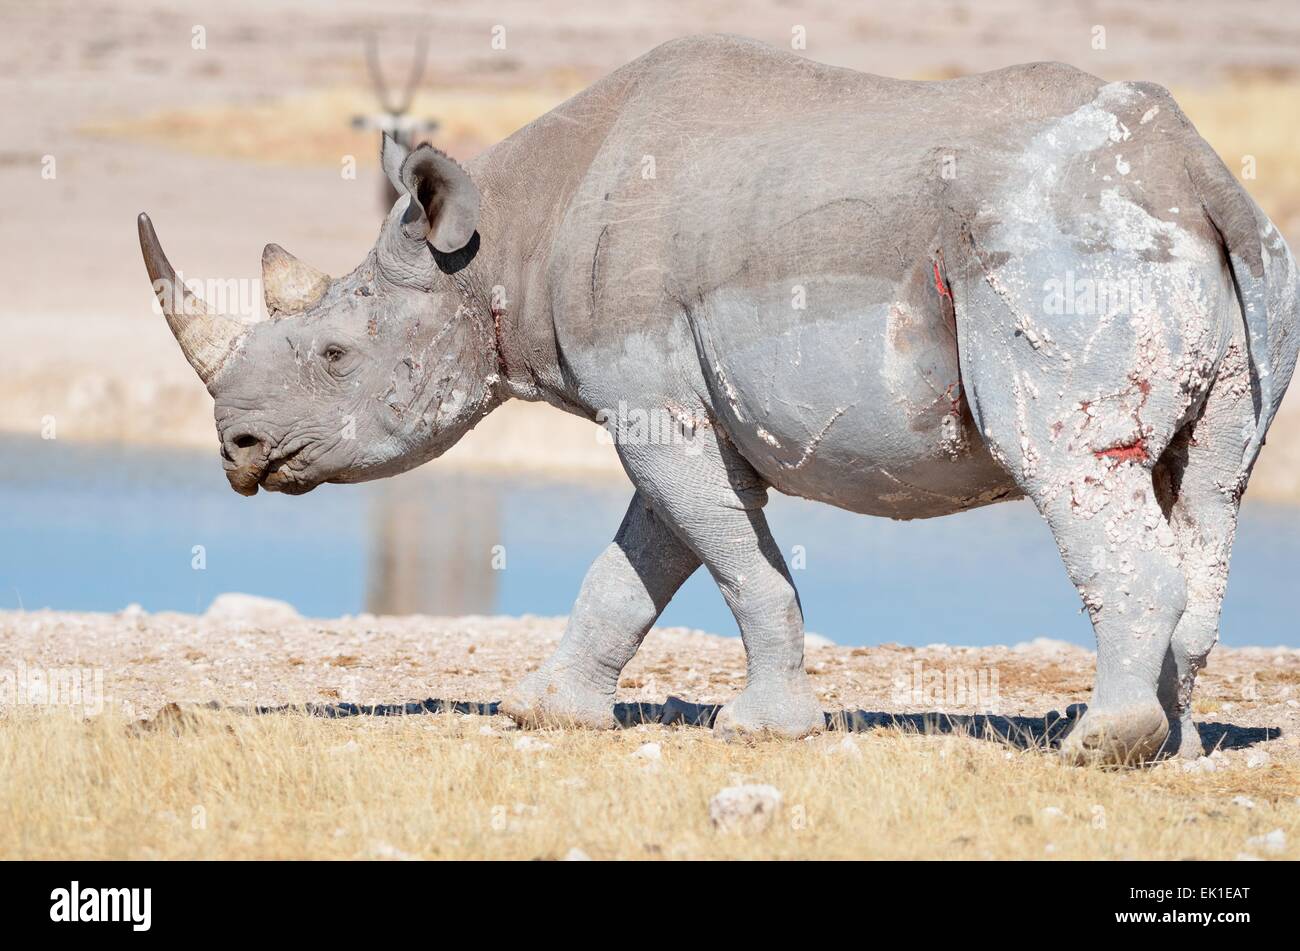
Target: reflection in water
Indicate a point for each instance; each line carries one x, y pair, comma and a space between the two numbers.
431, 546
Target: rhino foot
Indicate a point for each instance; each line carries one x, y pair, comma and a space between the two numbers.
1124, 736
774, 708
552, 698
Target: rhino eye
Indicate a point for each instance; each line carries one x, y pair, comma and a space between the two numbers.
334, 353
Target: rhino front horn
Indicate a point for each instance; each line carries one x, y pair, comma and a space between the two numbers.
290, 285
206, 339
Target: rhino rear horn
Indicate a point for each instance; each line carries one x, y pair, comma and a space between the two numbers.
289, 285
206, 339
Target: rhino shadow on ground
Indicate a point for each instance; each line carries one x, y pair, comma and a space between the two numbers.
1021, 732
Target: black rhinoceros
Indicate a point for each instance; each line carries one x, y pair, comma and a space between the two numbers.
900, 298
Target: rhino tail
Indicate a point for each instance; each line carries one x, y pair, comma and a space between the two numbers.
1233, 215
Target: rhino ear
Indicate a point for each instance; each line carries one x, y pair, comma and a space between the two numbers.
391, 155
444, 202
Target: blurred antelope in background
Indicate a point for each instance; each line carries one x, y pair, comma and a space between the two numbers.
392, 117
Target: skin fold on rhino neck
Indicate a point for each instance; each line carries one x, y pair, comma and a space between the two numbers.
527, 183
505, 283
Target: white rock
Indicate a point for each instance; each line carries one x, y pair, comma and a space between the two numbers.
528, 744
250, 609
1044, 645
576, 854
1053, 812
649, 751
133, 616
379, 849
745, 809
1256, 758
816, 640
1244, 801
1274, 843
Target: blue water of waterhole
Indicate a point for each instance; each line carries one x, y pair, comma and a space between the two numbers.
98, 527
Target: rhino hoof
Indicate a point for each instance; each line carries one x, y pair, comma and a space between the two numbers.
790, 711
547, 699
1124, 737
1184, 739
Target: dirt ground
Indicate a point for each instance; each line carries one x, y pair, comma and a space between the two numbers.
1248, 698
140, 778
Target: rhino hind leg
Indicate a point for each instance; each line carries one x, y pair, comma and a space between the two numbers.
1122, 555
1099, 499
624, 592
1198, 483
1080, 405
1122, 558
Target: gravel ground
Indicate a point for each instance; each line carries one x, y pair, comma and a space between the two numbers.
244, 651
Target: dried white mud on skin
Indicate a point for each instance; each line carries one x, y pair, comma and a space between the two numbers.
149, 660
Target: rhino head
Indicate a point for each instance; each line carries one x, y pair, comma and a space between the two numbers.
357, 377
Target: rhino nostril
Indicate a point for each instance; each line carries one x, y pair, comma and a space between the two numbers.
243, 449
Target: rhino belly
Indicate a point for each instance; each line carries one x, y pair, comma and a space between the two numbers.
850, 401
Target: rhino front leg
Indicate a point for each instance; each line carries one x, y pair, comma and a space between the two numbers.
624, 592
713, 500
749, 570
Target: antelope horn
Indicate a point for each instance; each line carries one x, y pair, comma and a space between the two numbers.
290, 286
206, 339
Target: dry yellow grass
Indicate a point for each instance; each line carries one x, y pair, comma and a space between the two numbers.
316, 127
231, 786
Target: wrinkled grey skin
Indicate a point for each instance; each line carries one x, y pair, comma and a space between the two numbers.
831, 284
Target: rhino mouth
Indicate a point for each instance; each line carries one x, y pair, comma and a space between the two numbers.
279, 475
287, 487
272, 474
